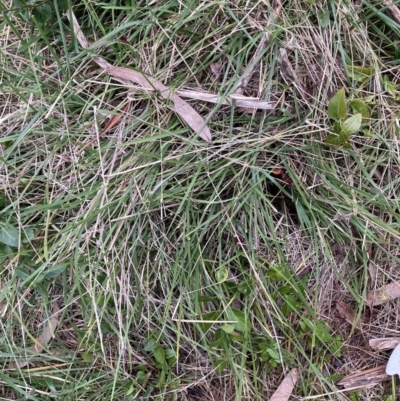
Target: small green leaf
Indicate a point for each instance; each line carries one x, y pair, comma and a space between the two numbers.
221, 274
243, 323
324, 17
62, 4
159, 355
274, 354
245, 287
205, 298
343, 137
141, 377
347, 145
9, 235
333, 139
130, 390
22, 8
228, 328
87, 356
151, 345
337, 107
363, 70
352, 125
238, 338
28, 235
218, 342
220, 364
360, 74
56, 271
389, 86
5, 250
22, 273
337, 127
361, 107
209, 317
170, 353
42, 13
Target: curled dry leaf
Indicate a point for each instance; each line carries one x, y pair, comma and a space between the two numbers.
367, 378
382, 344
182, 108
111, 124
393, 9
285, 389
287, 70
387, 293
42, 341
240, 100
348, 314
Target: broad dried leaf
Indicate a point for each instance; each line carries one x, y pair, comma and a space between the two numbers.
182, 108
382, 344
48, 331
42, 341
287, 70
387, 293
393, 9
285, 389
348, 314
366, 378
111, 124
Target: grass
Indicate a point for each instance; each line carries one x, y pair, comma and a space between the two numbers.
182, 269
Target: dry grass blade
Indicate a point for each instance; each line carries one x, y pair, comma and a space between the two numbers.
285, 389
387, 293
42, 341
182, 108
277, 6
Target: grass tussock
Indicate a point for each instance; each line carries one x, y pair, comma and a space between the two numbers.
153, 265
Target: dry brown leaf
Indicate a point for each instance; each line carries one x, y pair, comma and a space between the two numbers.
348, 314
382, 344
288, 72
367, 378
393, 9
182, 108
285, 389
111, 123
387, 293
240, 100
42, 341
